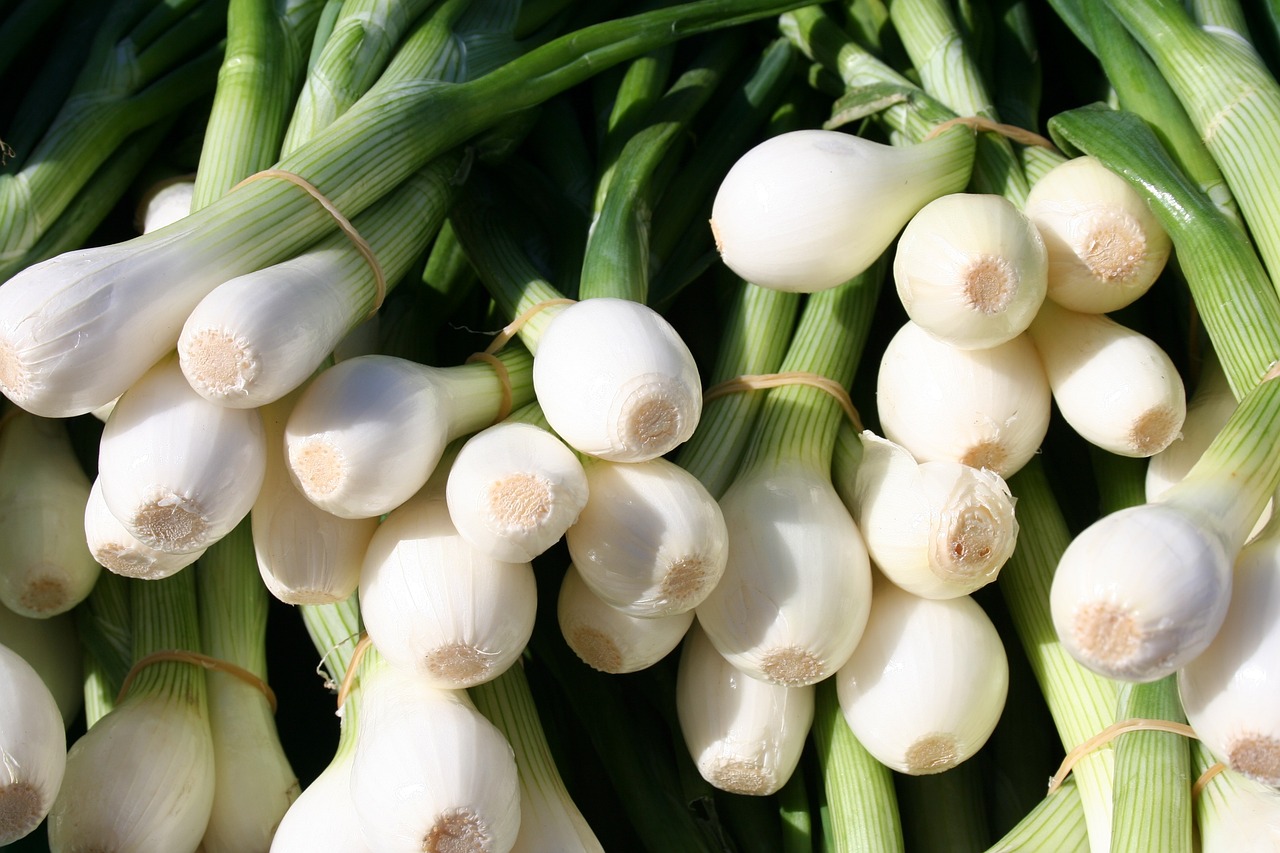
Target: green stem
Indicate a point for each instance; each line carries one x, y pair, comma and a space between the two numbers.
1153, 772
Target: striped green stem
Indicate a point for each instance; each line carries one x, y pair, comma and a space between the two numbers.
1057, 824
105, 627
267, 46
164, 619
1080, 702
862, 805
616, 259
1153, 806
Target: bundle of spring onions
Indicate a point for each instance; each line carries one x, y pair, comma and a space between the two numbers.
729, 426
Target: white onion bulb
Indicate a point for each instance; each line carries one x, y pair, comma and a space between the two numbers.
609, 640
810, 209
1106, 247
34, 745
988, 408
435, 605
971, 270
925, 687
745, 735
616, 381
651, 539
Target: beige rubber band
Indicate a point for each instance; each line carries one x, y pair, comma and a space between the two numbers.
761, 381
379, 279
349, 678
1110, 733
504, 380
510, 330
1010, 131
184, 656
1206, 777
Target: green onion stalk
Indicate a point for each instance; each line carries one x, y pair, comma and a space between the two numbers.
549, 819
1141, 88
266, 221
620, 267
1056, 823
789, 456
1081, 703
106, 633
355, 49
145, 63
949, 72
323, 815
254, 782
261, 69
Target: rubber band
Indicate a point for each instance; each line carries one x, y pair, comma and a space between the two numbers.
349, 678
509, 331
1206, 777
1110, 733
184, 656
1010, 131
379, 279
760, 381
504, 379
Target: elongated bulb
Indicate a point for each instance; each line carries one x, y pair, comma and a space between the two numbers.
651, 539
431, 774
937, 529
988, 408
616, 381
178, 471
810, 209
435, 605
306, 555
1231, 691
927, 684
608, 639
514, 489
34, 745
971, 270
118, 550
45, 565
254, 338
366, 434
1106, 248
745, 735
164, 750
796, 590
1115, 386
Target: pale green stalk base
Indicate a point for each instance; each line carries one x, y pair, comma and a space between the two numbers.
1081, 702
1153, 774
862, 806
1056, 825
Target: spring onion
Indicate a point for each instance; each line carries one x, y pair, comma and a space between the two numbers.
810, 209
178, 471
971, 270
1116, 387
430, 773
514, 489
651, 540
988, 408
34, 742
366, 434
936, 529
1142, 591
45, 567
608, 639
436, 606
117, 549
